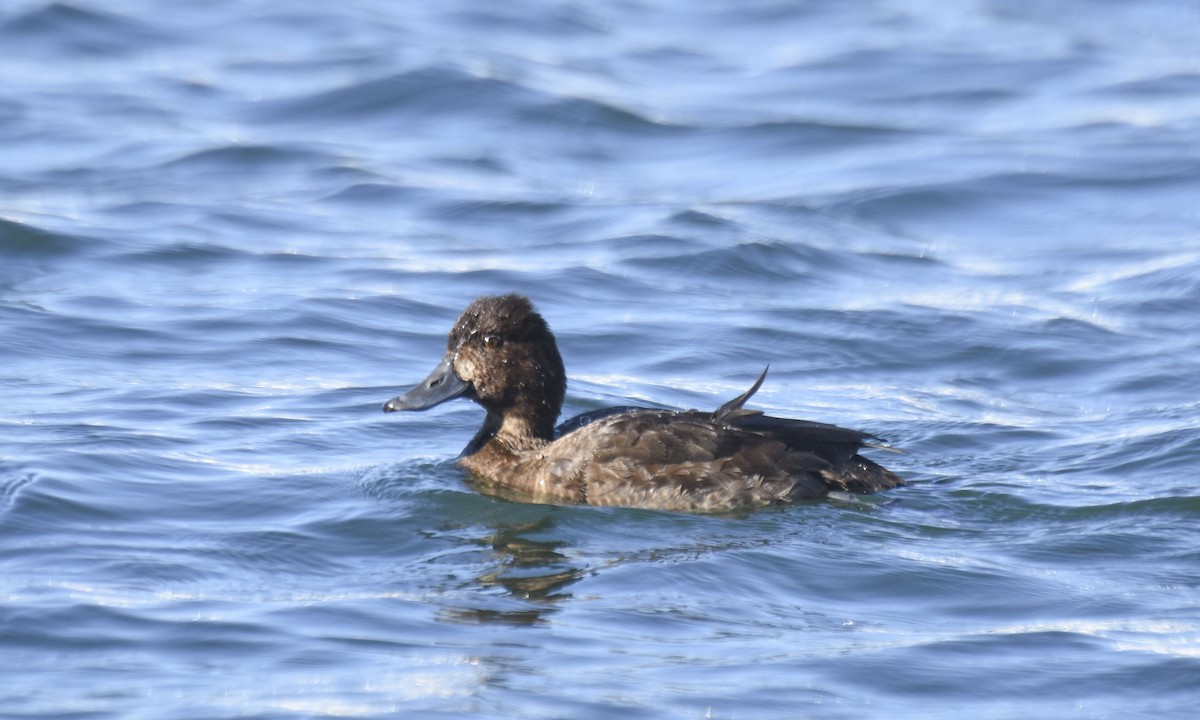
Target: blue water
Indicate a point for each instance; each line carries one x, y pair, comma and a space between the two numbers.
230, 230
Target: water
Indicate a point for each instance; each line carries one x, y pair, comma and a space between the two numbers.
230, 231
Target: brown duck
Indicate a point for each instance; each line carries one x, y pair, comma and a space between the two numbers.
502, 355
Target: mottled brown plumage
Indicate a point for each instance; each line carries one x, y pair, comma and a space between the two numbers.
502, 354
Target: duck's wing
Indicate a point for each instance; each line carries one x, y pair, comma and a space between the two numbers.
587, 418
709, 461
836, 445
801, 433
682, 461
726, 413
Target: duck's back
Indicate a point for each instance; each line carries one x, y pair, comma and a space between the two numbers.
699, 461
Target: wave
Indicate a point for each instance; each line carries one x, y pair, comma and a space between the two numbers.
26, 241
59, 28
421, 95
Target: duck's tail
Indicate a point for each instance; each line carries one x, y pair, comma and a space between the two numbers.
860, 475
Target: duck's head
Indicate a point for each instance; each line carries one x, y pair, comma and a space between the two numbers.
502, 355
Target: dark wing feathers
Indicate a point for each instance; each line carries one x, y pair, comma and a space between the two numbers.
695, 460
684, 461
831, 442
587, 418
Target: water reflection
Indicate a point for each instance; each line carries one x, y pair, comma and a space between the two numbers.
527, 569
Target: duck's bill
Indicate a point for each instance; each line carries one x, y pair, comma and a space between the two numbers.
441, 385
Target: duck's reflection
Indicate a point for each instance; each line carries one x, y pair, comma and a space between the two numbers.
531, 571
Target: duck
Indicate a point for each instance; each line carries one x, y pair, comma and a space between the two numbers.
502, 355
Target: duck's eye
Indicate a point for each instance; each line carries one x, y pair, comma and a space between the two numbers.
491, 342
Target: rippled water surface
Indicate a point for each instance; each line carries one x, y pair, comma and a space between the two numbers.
230, 231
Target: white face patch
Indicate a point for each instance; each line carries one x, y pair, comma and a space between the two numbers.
464, 366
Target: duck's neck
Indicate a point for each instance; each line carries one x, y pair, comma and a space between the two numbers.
518, 432
524, 433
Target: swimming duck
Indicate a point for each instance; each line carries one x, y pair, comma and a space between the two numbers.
501, 354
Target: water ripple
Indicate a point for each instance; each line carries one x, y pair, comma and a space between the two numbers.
232, 231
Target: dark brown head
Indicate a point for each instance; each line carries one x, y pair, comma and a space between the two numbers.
501, 354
